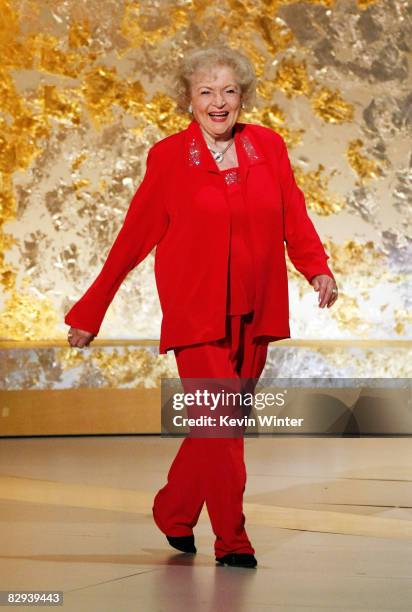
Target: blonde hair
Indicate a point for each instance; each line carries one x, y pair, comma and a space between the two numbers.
207, 58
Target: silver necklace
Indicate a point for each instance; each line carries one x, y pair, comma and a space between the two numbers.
218, 155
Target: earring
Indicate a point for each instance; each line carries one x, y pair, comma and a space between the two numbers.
243, 106
190, 109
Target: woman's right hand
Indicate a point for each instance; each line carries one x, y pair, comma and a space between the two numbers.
79, 337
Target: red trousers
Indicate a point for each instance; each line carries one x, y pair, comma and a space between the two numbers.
212, 470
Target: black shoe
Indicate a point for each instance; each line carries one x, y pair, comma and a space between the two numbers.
183, 543
238, 560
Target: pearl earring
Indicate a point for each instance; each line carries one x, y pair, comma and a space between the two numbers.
190, 109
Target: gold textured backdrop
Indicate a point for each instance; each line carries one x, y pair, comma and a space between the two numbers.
86, 89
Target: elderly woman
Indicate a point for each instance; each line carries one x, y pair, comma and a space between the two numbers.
219, 201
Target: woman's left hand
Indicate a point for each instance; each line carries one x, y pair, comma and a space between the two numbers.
328, 291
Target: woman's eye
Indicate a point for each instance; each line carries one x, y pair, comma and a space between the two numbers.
227, 91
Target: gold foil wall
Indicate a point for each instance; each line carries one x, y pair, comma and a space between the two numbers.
85, 90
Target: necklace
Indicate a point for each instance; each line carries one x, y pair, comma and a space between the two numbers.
218, 155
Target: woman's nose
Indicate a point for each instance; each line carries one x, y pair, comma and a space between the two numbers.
219, 100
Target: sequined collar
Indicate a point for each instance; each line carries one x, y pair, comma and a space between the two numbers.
199, 156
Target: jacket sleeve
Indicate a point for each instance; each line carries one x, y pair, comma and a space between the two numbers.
303, 244
144, 225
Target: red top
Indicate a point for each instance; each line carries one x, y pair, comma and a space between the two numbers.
181, 208
241, 281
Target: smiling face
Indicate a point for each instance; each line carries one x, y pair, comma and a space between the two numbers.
216, 101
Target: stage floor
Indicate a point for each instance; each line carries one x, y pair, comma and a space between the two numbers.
330, 520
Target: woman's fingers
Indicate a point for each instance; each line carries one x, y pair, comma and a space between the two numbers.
79, 338
324, 293
328, 291
333, 298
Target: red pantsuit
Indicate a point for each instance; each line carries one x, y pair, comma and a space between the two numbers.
212, 470
218, 318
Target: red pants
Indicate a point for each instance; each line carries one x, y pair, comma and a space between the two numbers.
212, 470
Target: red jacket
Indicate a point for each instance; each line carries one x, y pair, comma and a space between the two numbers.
181, 208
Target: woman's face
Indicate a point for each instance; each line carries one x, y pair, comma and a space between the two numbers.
216, 91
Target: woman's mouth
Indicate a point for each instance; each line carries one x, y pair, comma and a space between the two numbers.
219, 116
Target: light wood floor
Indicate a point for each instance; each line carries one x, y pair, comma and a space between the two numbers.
330, 519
